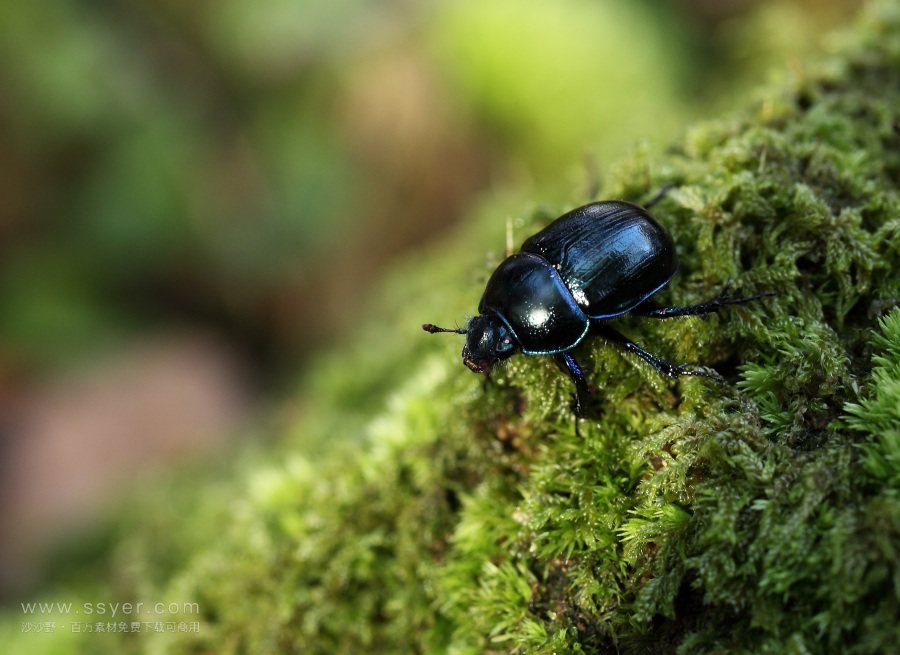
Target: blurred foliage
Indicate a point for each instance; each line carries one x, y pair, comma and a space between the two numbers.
556, 81
249, 168
418, 508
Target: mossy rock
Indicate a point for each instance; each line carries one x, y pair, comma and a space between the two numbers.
419, 508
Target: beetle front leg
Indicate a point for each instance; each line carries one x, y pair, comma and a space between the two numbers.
662, 366
583, 397
651, 310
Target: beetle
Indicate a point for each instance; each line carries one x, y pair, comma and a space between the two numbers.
592, 264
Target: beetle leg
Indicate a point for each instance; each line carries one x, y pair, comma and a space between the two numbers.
662, 366
652, 310
582, 392
659, 195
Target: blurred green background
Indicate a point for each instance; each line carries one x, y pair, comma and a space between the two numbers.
197, 197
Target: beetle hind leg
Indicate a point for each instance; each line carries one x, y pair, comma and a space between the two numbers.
663, 367
652, 310
659, 195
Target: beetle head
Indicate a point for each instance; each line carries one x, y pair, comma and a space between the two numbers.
488, 341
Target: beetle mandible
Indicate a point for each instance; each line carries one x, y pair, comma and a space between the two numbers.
592, 264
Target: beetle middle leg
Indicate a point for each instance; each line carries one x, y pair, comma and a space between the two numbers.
652, 310
662, 366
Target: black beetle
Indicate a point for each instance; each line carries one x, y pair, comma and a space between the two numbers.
594, 263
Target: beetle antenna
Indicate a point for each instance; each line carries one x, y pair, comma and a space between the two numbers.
434, 329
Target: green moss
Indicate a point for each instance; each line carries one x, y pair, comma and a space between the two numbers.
440, 513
